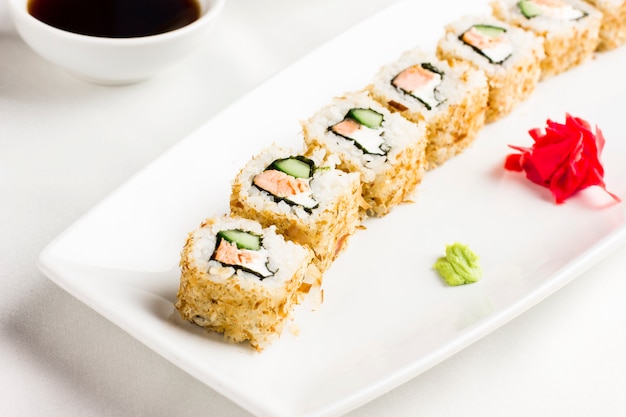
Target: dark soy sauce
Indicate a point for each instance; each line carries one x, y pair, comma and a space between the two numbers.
116, 18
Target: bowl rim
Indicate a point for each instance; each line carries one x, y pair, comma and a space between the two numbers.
19, 10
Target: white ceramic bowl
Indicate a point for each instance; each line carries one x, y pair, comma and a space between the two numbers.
113, 60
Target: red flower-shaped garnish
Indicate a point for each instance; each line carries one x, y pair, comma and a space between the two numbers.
564, 158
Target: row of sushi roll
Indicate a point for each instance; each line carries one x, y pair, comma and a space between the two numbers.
293, 211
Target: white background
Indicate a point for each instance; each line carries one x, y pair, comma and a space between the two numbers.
66, 144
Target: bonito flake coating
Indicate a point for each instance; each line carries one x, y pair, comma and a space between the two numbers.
570, 29
449, 98
510, 57
384, 148
613, 26
242, 280
307, 199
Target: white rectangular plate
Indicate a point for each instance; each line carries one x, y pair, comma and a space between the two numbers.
387, 316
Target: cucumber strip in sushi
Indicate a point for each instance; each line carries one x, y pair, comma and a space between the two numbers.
308, 202
509, 56
296, 166
384, 149
553, 9
242, 280
570, 29
450, 98
367, 117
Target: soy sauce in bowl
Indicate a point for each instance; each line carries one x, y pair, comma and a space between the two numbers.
116, 18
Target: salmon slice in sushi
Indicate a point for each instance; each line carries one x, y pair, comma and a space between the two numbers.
449, 98
570, 29
306, 199
384, 149
241, 280
509, 56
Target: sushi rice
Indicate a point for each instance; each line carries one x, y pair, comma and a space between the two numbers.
458, 113
325, 228
613, 27
570, 29
387, 179
511, 81
241, 305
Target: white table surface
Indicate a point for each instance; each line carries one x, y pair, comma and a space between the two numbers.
66, 144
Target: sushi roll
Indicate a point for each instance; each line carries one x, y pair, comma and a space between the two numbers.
307, 201
449, 97
383, 148
570, 29
613, 26
240, 279
510, 57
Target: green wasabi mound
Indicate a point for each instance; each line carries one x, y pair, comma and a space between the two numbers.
459, 266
